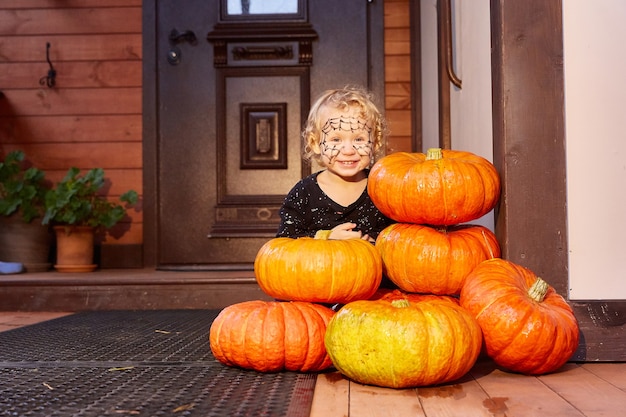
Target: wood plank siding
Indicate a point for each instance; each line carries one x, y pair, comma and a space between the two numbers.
92, 116
398, 75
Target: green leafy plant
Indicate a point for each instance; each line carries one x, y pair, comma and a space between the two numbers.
76, 200
22, 190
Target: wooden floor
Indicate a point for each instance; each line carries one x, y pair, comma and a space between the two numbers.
589, 389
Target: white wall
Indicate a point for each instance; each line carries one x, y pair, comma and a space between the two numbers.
595, 66
430, 113
470, 107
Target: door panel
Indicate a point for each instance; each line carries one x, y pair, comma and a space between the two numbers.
228, 118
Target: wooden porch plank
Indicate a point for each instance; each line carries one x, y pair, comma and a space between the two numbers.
465, 398
330, 397
519, 395
369, 401
589, 393
10, 320
611, 372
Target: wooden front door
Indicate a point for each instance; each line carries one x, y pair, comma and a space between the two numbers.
226, 96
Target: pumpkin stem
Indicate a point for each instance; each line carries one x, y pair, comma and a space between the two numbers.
322, 234
400, 303
433, 154
538, 290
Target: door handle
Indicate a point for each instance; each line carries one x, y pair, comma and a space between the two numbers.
176, 37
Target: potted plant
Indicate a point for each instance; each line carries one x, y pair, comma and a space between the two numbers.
23, 237
76, 207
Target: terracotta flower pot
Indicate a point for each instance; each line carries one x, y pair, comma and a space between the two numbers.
74, 248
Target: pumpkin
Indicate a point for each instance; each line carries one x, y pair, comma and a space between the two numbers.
271, 336
318, 270
399, 343
395, 294
432, 260
527, 326
442, 187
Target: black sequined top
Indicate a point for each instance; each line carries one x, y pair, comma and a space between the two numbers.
307, 209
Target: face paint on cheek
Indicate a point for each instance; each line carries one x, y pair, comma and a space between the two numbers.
328, 152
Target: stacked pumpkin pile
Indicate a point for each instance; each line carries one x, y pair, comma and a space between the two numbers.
416, 340
456, 296
270, 336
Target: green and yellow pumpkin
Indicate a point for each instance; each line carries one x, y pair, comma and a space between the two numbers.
400, 343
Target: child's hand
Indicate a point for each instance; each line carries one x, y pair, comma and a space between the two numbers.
345, 231
368, 238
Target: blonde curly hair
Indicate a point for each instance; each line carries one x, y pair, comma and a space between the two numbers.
343, 98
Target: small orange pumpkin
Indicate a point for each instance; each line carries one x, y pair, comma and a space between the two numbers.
442, 187
425, 259
318, 270
399, 343
271, 336
527, 326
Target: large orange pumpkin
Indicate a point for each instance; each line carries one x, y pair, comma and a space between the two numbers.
432, 260
317, 270
271, 336
399, 343
527, 326
442, 187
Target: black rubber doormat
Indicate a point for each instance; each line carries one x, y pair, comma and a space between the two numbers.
136, 363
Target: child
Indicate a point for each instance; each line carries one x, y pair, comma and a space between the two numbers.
343, 133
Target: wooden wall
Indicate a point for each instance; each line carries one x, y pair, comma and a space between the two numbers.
398, 74
92, 117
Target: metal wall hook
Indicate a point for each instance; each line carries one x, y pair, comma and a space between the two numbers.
49, 79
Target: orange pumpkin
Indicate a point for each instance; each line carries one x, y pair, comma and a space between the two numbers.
527, 326
442, 187
271, 336
395, 294
399, 343
424, 259
317, 270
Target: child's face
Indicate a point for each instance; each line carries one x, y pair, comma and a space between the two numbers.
346, 145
